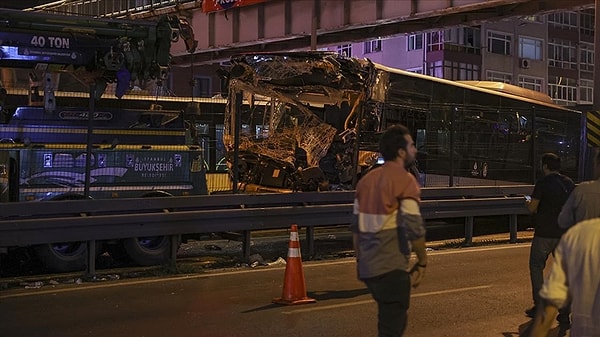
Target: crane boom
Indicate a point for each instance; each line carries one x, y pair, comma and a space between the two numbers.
99, 50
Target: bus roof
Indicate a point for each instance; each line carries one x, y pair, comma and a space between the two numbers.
494, 88
510, 89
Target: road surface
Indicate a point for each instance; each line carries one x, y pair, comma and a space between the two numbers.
479, 292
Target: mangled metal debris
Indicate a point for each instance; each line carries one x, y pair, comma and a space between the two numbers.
299, 126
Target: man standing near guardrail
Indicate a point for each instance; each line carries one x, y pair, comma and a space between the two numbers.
548, 197
387, 226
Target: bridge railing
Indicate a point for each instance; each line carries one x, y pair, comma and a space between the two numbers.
109, 8
31, 223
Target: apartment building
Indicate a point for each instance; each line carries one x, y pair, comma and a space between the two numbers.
553, 53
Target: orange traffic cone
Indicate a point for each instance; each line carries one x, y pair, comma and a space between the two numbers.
294, 289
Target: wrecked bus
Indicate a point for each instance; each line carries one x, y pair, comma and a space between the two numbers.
314, 119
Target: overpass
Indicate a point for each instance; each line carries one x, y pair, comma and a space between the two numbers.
283, 25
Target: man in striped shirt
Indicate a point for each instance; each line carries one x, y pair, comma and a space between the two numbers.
387, 227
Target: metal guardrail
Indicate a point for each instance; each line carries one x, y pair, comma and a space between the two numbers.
48, 209
29, 223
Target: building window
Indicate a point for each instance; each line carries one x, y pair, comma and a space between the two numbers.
564, 20
435, 69
586, 57
532, 83
499, 43
435, 41
586, 22
373, 46
415, 42
458, 71
202, 87
562, 54
463, 36
345, 50
586, 91
471, 37
463, 40
562, 90
530, 48
496, 76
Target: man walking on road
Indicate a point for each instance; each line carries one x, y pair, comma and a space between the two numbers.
547, 199
387, 226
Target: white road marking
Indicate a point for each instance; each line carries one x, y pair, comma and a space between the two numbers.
349, 304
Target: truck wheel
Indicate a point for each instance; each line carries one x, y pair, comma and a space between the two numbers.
149, 251
63, 257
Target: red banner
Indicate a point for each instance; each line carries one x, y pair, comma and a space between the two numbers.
220, 5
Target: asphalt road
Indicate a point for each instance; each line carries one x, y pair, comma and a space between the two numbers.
479, 292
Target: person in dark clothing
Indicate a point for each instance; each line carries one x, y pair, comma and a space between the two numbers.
549, 195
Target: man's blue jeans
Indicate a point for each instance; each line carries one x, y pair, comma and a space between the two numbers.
391, 291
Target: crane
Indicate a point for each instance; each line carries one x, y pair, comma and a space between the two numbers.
97, 50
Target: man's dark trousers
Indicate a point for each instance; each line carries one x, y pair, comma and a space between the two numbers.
541, 248
391, 291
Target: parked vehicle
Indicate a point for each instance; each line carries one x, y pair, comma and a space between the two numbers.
54, 152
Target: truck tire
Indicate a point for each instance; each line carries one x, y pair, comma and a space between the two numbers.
64, 256
149, 251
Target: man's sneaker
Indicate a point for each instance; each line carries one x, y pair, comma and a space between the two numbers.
531, 312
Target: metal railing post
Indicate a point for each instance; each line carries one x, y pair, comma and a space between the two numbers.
310, 240
469, 230
247, 237
513, 228
91, 259
173, 253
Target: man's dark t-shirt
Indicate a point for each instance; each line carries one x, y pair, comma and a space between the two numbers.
552, 191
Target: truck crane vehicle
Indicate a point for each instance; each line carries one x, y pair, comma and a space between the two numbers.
54, 152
